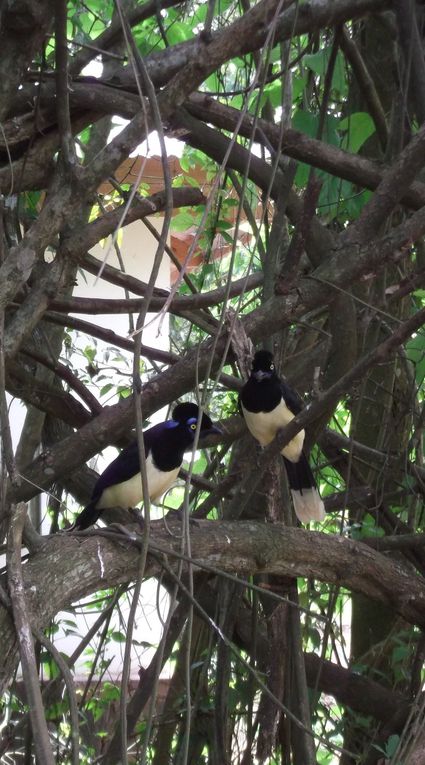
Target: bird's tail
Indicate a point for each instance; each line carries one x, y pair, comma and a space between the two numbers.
87, 517
308, 505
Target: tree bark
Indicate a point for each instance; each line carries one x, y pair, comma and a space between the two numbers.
67, 568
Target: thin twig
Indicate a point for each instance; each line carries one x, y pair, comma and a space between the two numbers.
366, 85
6, 437
62, 93
21, 617
70, 687
140, 68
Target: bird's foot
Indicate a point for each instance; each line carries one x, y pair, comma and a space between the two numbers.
114, 527
178, 515
136, 516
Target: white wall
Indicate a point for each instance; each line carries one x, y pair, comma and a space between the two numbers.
138, 249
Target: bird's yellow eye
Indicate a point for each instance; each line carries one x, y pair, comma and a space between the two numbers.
193, 426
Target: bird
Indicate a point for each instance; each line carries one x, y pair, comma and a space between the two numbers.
268, 404
120, 484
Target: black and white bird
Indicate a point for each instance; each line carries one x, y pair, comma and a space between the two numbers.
269, 404
120, 485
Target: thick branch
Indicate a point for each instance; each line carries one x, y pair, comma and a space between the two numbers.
411, 46
113, 33
179, 304
82, 564
23, 29
47, 398
318, 154
82, 239
390, 191
25, 639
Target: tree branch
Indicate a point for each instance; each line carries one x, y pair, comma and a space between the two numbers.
80, 240
297, 145
179, 304
24, 636
90, 561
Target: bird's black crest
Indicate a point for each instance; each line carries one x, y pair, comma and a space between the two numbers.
183, 412
263, 361
186, 411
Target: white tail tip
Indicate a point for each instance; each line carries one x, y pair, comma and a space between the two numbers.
308, 506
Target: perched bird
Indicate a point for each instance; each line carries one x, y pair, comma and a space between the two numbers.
120, 485
268, 404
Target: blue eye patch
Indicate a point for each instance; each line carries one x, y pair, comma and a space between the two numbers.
171, 424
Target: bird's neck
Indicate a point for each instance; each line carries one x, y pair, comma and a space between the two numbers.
168, 452
262, 395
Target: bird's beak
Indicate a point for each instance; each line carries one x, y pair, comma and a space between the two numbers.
260, 375
212, 430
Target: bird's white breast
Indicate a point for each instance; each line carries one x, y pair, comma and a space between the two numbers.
264, 426
129, 493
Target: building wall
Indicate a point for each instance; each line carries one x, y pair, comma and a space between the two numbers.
138, 248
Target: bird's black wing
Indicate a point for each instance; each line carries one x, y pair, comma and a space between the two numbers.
251, 396
292, 400
127, 464
121, 469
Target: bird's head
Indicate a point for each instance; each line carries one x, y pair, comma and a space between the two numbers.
187, 414
263, 367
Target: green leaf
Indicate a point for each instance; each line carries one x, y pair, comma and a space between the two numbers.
179, 32
182, 221
201, 13
415, 350
185, 163
274, 93
69, 623
392, 745
227, 237
318, 63
298, 85
358, 127
110, 692
31, 202
275, 55
106, 388
367, 528
400, 653
237, 101
308, 123
212, 83
119, 637
90, 353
